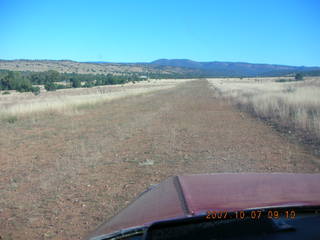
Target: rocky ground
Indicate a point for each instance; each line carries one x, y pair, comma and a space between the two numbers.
62, 175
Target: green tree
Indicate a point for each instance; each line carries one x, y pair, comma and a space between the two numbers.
99, 82
35, 90
298, 77
89, 84
7, 81
75, 82
37, 78
52, 76
50, 86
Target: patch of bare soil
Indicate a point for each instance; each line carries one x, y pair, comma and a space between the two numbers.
61, 176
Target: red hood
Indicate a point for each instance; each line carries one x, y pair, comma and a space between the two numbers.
182, 196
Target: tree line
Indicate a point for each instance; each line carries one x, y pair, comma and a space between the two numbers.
10, 80
53, 80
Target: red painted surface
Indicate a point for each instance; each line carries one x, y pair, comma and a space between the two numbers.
161, 202
243, 191
180, 196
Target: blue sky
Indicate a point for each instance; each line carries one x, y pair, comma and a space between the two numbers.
258, 31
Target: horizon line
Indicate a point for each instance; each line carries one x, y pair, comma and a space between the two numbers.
145, 62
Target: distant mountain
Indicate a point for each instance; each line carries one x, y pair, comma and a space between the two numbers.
233, 68
159, 68
180, 63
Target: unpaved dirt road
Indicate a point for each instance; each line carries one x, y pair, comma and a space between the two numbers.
61, 176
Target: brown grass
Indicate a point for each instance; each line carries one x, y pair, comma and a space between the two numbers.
69, 100
295, 106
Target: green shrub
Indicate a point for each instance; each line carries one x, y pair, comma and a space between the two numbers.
11, 119
5, 93
88, 84
298, 77
50, 86
35, 90
75, 83
283, 80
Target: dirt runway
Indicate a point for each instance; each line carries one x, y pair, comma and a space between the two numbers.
62, 175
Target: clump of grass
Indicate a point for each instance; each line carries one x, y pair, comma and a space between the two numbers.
5, 93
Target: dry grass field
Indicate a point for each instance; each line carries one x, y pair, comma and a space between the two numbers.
63, 172
69, 101
294, 106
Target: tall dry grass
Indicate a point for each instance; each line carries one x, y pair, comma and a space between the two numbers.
295, 106
67, 100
